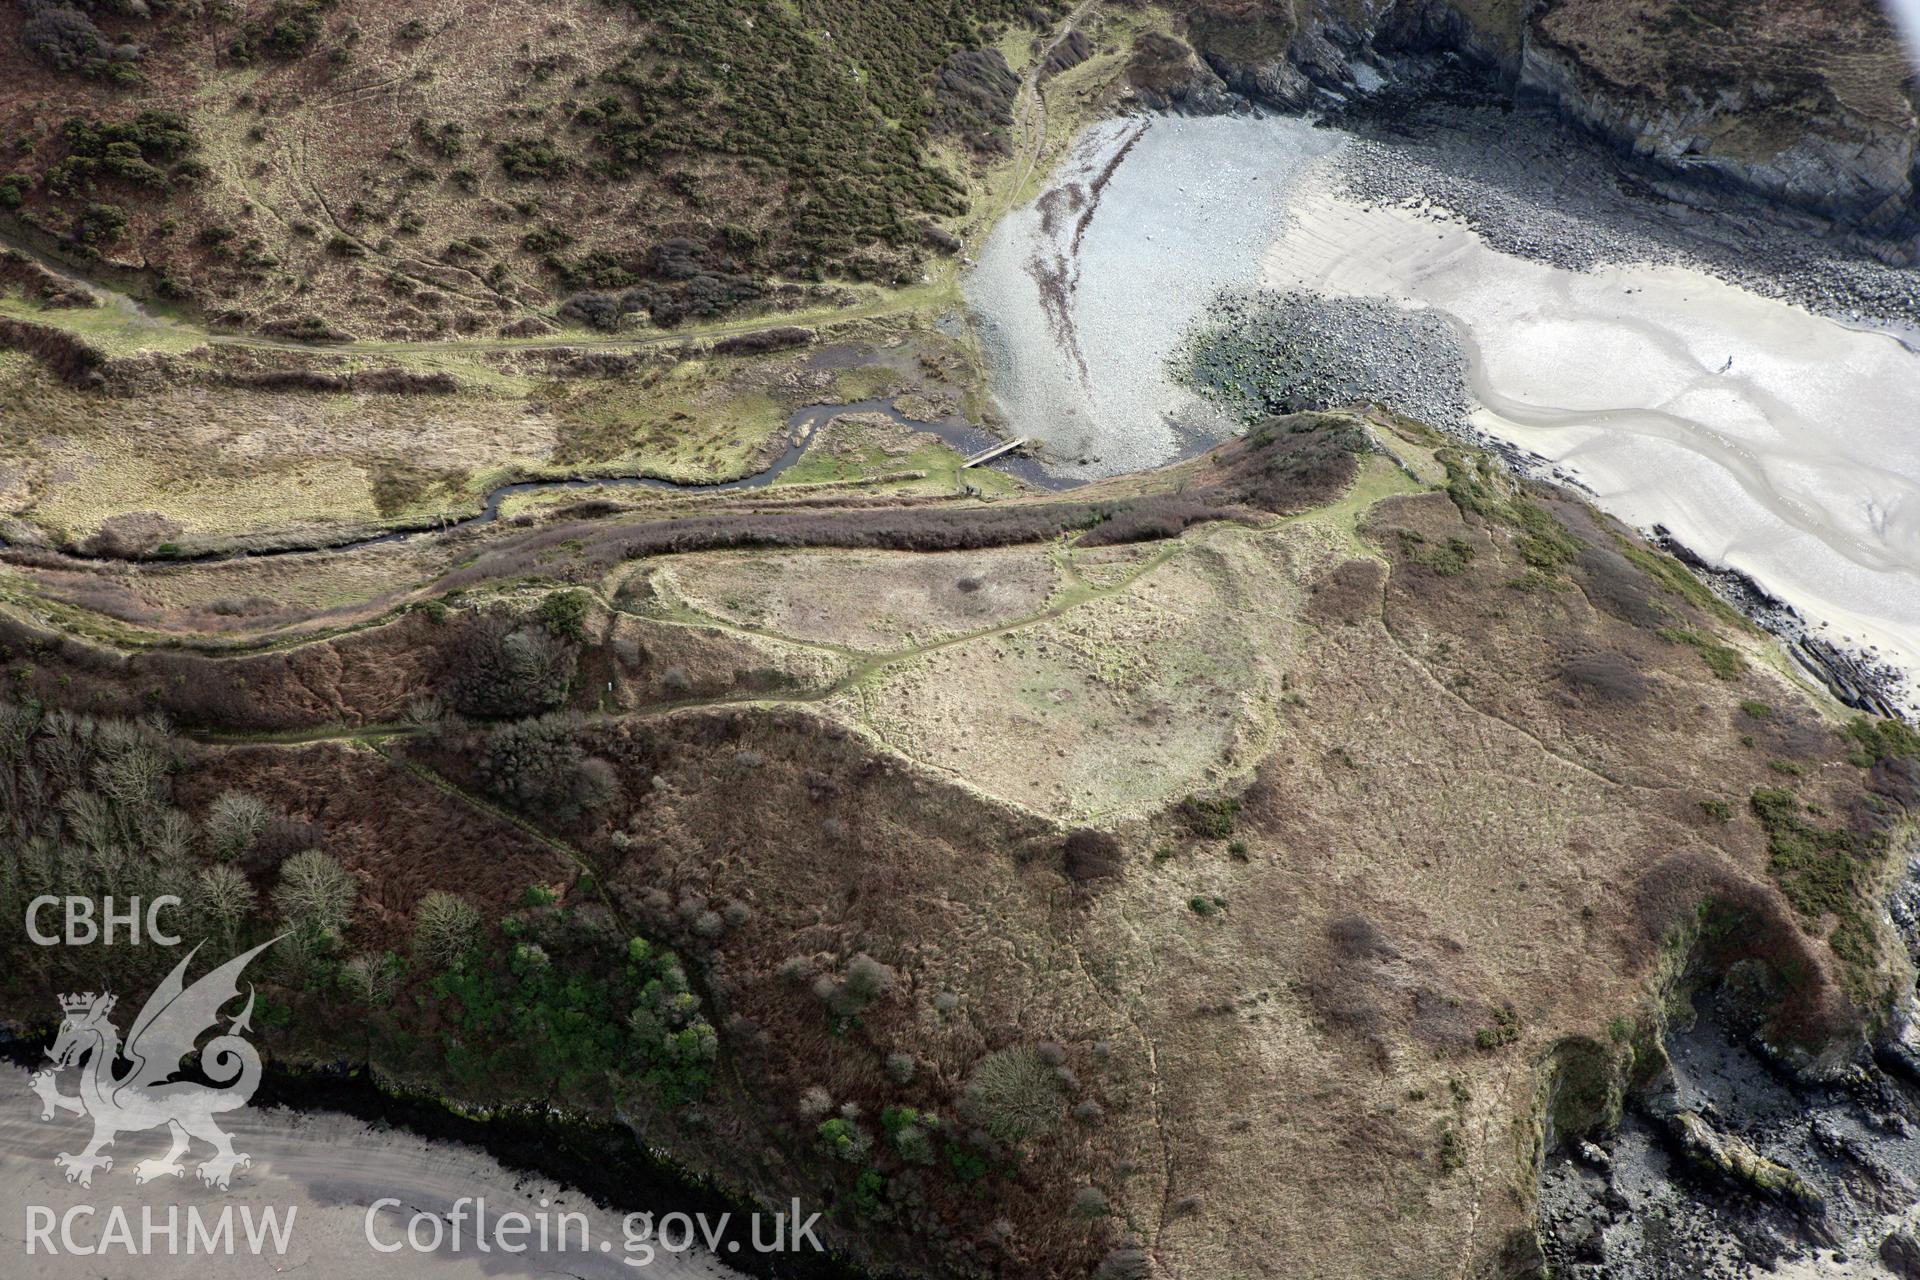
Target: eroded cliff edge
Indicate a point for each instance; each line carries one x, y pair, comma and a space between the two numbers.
1807, 104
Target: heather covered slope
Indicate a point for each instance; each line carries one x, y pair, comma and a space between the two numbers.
1235, 898
311, 166
326, 168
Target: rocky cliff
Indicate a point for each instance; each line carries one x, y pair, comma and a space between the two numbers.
1806, 103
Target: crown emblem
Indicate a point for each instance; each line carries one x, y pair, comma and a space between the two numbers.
86, 1002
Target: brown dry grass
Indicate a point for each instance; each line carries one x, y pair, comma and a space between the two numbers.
1842, 50
1469, 803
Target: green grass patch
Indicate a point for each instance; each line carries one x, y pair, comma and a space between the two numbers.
1873, 740
1448, 559
1723, 660
1474, 486
1823, 871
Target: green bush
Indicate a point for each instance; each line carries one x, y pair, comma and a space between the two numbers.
1504, 1031
527, 158
845, 1140
1212, 819
565, 613
869, 1191
909, 1132
99, 223
291, 29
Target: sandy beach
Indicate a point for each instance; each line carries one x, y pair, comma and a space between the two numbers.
1768, 439
1081, 296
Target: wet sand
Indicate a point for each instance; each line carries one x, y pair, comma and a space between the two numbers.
1081, 296
1766, 438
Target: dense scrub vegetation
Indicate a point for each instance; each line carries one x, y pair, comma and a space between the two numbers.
103, 161
63, 35
552, 1000
499, 665
830, 104
832, 96
1287, 465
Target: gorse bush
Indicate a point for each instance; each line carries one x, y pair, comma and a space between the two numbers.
840, 124
565, 614
62, 34
1210, 817
131, 151
528, 158
288, 30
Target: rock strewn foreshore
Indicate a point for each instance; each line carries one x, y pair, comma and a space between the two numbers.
1532, 188
1799, 105
1529, 189
1265, 353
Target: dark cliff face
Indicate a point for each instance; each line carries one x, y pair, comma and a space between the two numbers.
1808, 104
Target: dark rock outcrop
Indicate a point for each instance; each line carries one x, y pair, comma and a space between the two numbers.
1167, 75
1806, 104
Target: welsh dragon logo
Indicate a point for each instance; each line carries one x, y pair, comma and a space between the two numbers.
145, 1095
